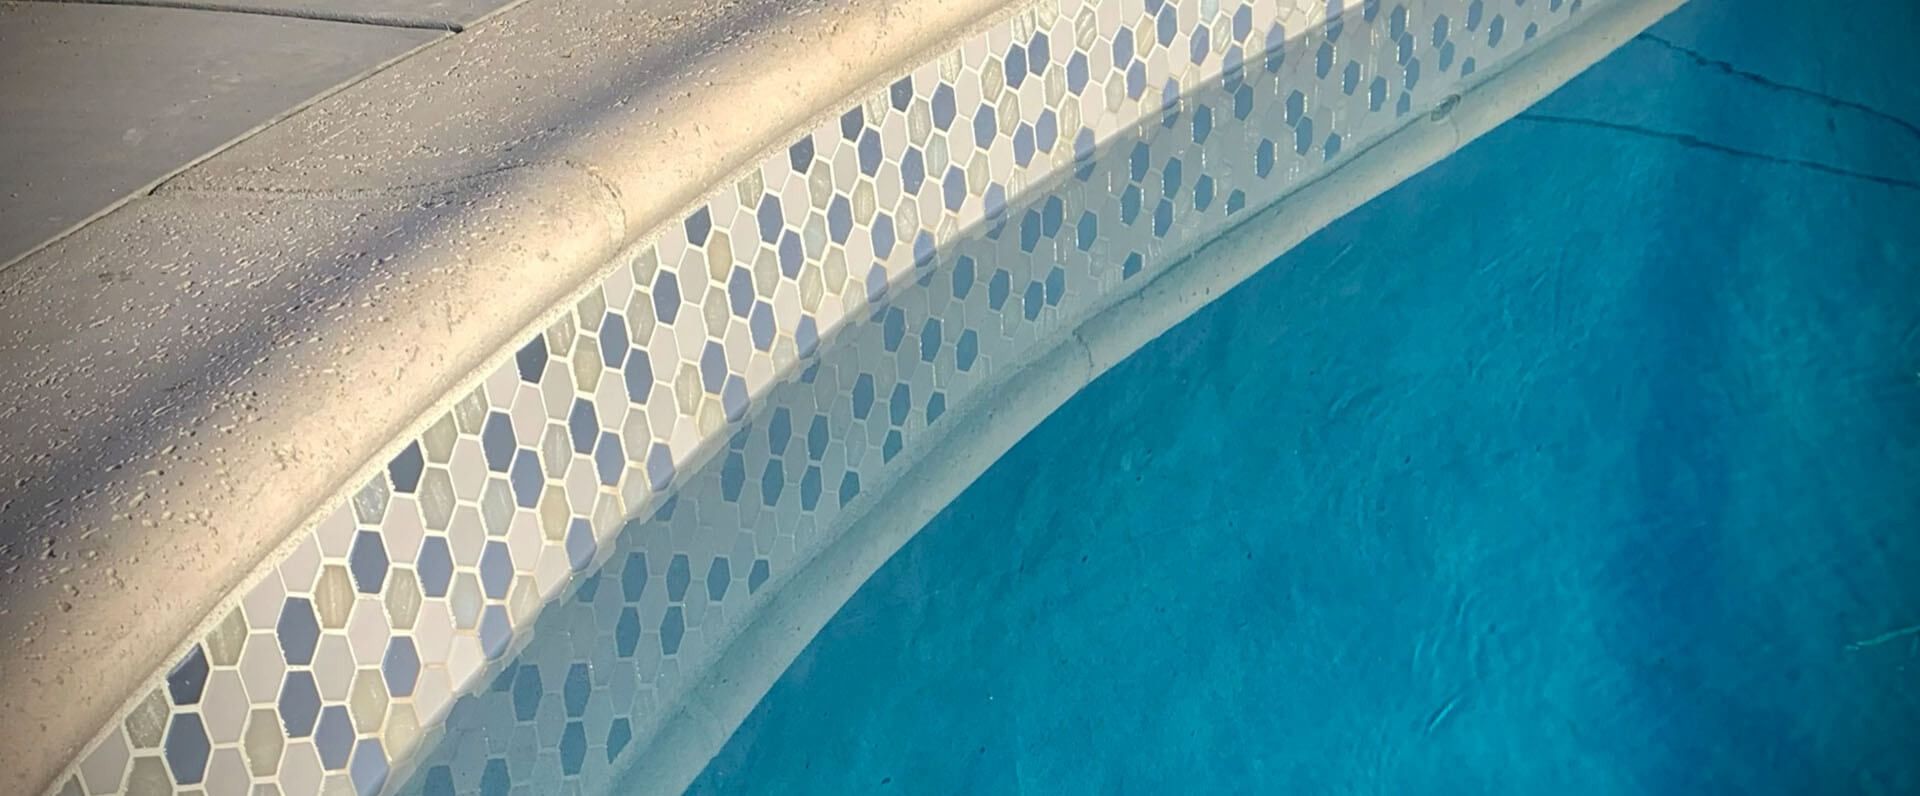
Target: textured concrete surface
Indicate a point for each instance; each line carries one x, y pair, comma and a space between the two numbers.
191, 376
97, 102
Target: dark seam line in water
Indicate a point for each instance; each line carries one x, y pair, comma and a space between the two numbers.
371, 20
1755, 77
1698, 143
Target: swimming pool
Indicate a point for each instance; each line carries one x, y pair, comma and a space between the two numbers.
1583, 474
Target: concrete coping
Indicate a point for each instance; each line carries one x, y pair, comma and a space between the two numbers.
193, 376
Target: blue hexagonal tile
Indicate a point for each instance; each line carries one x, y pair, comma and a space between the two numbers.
187, 748
930, 340
532, 359
583, 424
757, 577
898, 403
298, 630
438, 782
626, 633
698, 224
998, 288
760, 326
495, 778
369, 768
496, 441
659, 466
526, 692
984, 128
673, 628
817, 438
713, 367
189, 677
367, 561
810, 488
435, 566
913, 170
496, 570
900, 94
633, 577
719, 577
666, 297
581, 545
334, 737
862, 396
613, 339
495, 631
868, 150
943, 106
772, 481
299, 703
839, 218
792, 254
577, 688
573, 748
405, 469
609, 458
953, 188
800, 155
619, 734
849, 487
400, 666
733, 476
679, 575
526, 478
639, 376
1016, 66
966, 350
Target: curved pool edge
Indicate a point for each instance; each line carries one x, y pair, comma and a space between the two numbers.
327, 564
795, 614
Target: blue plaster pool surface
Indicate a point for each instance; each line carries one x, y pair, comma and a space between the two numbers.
1587, 461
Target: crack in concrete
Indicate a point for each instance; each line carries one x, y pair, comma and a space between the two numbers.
1697, 142
1756, 78
374, 20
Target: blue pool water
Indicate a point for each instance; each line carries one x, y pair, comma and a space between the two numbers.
1586, 462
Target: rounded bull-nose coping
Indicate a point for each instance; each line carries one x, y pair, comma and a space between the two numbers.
194, 380
626, 526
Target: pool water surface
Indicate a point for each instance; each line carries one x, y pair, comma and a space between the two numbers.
1587, 461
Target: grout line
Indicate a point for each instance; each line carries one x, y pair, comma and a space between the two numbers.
373, 20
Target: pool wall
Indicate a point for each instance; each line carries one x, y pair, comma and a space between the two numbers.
593, 558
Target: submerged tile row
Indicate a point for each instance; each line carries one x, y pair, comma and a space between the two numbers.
516, 601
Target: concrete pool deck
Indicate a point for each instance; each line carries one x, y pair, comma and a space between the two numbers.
159, 415
255, 363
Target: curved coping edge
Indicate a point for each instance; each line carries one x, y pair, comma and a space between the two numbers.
794, 615
570, 208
